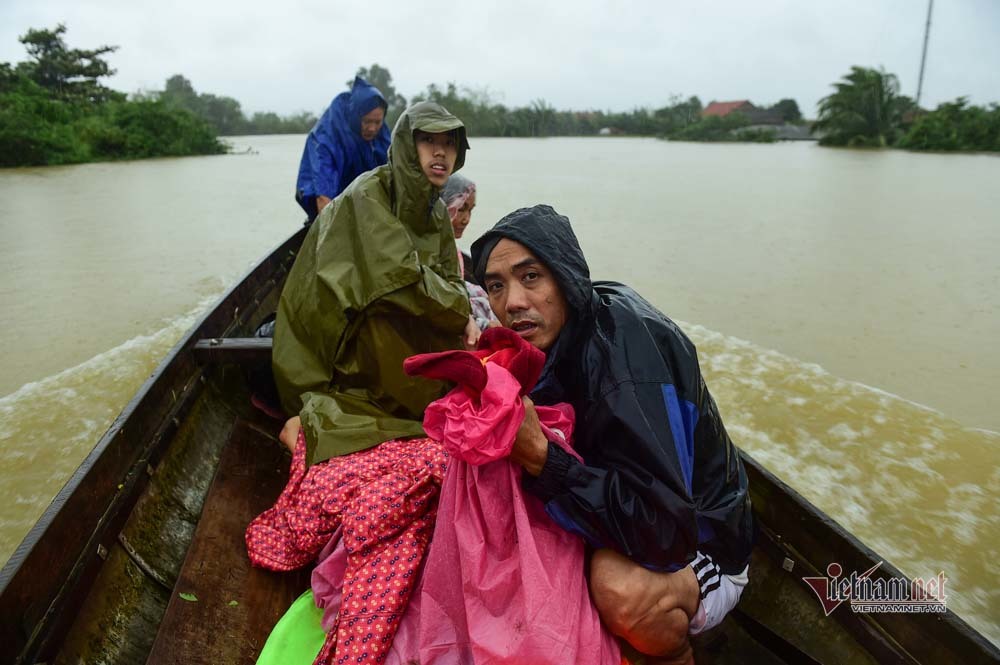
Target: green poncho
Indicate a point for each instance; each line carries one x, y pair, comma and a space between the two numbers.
376, 281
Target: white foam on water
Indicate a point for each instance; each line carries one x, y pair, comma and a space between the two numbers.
48, 427
911, 483
843, 432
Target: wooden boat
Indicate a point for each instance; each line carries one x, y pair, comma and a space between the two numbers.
140, 558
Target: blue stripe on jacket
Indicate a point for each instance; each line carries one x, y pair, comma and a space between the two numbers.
683, 417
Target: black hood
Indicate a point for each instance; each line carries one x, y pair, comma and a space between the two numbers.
550, 238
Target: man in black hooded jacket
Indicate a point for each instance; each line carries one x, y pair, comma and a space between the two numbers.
661, 495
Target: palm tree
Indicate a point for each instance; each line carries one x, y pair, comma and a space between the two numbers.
865, 110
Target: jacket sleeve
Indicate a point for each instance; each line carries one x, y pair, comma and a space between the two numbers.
299, 357
326, 171
634, 491
435, 301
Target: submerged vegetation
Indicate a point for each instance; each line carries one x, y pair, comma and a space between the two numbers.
224, 114
866, 110
681, 119
955, 126
54, 110
732, 127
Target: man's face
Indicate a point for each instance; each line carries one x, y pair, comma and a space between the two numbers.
524, 294
437, 154
463, 215
371, 122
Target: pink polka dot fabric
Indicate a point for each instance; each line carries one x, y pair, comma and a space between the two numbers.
384, 499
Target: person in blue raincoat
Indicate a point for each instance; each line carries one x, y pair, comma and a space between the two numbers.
350, 138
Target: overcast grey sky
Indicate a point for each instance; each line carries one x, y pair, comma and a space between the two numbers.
293, 55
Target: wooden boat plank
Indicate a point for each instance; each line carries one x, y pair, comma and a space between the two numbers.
87, 515
239, 350
121, 614
236, 605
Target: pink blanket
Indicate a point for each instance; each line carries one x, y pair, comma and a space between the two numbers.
502, 583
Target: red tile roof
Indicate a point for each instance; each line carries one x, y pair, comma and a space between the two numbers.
725, 108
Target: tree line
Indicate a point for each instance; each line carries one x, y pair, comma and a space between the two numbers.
224, 114
55, 110
485, 116
867, 110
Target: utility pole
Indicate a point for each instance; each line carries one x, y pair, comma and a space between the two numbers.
923, 57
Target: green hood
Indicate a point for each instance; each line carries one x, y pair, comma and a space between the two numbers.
413, 194
376, 281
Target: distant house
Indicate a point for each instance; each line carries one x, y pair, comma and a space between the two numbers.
756, 116
722, 109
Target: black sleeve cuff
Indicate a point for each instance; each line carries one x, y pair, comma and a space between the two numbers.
552, 480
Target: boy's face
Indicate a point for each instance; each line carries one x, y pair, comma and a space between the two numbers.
437, 154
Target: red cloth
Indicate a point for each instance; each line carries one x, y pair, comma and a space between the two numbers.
384, 501
478, 420
502, 582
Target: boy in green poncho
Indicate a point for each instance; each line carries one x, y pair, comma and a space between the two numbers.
377, 280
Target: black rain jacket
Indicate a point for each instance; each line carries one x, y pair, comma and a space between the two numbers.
660, 478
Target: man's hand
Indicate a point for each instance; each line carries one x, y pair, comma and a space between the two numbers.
530, 447
471, 335
321, 202
290, 433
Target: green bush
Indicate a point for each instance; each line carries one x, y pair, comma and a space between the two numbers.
955, 126
138, 129
731, 127
53, 111
36, 129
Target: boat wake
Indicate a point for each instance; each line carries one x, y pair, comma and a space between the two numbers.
911, 483
49, 426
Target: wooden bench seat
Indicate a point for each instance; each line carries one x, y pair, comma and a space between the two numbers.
237, 605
